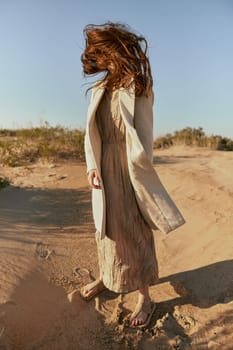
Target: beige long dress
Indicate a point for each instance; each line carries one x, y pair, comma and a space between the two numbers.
127, 258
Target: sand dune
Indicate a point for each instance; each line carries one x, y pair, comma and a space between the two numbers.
48, 252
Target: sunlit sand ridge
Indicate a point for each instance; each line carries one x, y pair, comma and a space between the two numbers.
48, 251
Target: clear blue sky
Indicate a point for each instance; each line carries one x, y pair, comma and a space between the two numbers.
190, 48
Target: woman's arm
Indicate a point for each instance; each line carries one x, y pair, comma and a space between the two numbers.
94, 179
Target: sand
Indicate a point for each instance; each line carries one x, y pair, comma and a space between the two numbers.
48, 252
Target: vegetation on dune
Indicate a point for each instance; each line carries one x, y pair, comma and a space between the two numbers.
25, 146
194, 137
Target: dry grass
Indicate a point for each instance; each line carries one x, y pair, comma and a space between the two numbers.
194, 137
26, 146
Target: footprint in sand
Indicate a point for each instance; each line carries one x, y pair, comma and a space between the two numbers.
43, 251
186, 322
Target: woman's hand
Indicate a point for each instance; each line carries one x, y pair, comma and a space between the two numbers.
94, 179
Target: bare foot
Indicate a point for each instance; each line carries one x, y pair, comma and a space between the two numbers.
92, 289
142, 313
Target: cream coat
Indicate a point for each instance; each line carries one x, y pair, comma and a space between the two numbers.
155, 204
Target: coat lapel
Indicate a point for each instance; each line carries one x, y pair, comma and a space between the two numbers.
127, 103
97, 94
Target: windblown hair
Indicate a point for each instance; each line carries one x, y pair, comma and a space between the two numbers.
114, 49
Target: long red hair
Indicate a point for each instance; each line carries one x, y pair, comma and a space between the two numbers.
114, 49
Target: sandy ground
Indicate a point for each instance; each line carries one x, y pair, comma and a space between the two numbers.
48, 252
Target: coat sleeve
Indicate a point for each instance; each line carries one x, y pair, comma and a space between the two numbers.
89, 156
143, 122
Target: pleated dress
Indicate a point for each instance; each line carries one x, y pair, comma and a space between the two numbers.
126, 255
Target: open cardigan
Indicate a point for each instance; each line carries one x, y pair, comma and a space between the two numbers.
155, 204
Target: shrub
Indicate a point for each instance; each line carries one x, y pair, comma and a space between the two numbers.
25, 146
194, 137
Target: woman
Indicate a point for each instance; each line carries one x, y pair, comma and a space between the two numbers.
128, 199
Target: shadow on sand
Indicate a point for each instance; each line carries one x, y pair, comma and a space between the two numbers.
205, 286
171, 159
39, 315
30, 209
202, 287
